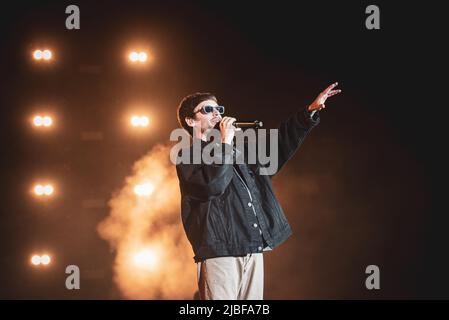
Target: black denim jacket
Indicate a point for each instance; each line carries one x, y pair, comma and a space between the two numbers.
231, 209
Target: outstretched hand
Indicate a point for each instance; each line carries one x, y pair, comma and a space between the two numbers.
319, 102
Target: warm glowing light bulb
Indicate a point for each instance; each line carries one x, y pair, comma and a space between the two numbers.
37, 54
135, 121
133, 56
39, 190
36, 260
142, 57
47, 121
145, 259
144, 121
144, 190
38, 121
45, 259
48, 189
46, 54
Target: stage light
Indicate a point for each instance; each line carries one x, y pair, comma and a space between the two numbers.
45, 259
143, 57
144, 190
144, 121
36, 260
138, 56
47, 121
135, 121
37, 54
42, 121
133, 56
42, 55
43, 190
48, 190
39, 190
140, 121
38, 121
46, 54
145, 259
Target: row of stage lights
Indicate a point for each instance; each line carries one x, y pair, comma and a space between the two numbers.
47, 190
45, 121
46, 55
43, 260
144, 258
40, 190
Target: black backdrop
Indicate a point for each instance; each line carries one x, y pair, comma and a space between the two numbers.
376, 155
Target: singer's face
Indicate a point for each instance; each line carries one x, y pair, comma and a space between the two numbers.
209, 120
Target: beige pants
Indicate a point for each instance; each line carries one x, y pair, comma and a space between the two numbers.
231, 278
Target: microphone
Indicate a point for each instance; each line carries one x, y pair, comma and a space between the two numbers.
240, 125
256, 124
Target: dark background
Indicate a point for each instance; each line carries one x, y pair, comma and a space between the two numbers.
365, 188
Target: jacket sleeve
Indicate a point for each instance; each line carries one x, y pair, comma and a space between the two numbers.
292, 132
206, 181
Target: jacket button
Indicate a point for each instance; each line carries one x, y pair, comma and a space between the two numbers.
255, 225
260, 248
249, 204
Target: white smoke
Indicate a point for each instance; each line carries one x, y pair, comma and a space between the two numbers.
153, 257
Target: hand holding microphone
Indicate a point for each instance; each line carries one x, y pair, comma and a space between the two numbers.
227, 129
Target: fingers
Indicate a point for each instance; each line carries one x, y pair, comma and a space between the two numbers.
328, 92
223, 122
227, 129
227, 122
333, 85
333, 93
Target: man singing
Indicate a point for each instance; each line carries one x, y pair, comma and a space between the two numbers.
229, 211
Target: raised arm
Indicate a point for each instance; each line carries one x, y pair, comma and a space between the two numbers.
291, 133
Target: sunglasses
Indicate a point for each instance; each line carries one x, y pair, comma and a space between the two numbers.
209, 109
